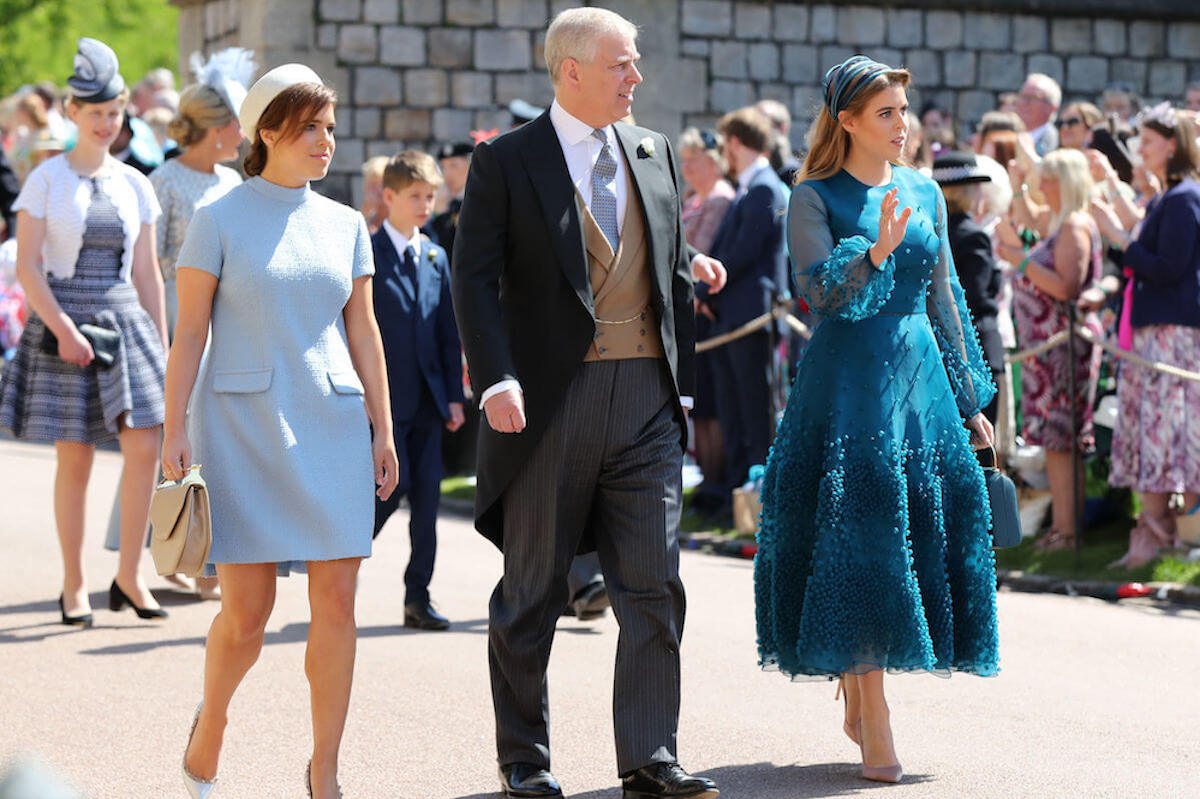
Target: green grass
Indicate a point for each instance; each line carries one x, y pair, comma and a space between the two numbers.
458, 488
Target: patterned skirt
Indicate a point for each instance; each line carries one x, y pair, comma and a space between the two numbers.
1156, 444
44, 398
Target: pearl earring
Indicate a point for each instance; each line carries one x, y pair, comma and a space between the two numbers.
218, 144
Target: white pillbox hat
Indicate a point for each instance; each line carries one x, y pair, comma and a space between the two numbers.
270, 86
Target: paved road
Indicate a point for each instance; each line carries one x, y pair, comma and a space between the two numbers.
1095, 700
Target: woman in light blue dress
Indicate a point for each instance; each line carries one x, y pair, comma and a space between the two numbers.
279, 419
875, 550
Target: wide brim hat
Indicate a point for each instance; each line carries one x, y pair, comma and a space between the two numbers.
267, 88
97, 77
957, 168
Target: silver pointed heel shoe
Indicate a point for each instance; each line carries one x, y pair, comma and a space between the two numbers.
197, 788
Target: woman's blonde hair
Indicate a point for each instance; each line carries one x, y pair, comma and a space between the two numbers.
1069, 167
693, 139
828, 141
200, 110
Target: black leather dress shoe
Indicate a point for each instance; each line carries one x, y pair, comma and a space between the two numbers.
527, 781
591, 602
422, 616
666, 779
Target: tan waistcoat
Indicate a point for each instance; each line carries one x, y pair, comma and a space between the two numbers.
626, 324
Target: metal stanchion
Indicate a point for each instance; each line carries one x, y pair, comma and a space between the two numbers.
1073, 381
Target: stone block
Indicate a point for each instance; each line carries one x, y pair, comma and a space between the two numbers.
905, 27
1183, 40
943, 30
532, 87
1086, 74
764, 61
806, 103
729, 59
689, 86
367, 122
337, 10
1109, 36
1004, 72
832, 54
471, 89
382, 12
1047, 65
730, 95
1167, 80
776, 91
1071, 35
384, 147
1147, 38
358, 44
860, 25
695, 47
800, 64
925, 66
1128, 70
449, 47
539, 49
522, 13
502, 49
752, 20
377, 86
348, 156
972, 105
327, 36
791, 23
426, 88
707, 17
335, 187
960, 68
822, 25
407, 123
451, 123
470, 12
402, 46
987, 31
421, 12
887, 55
1030, 34
499, 119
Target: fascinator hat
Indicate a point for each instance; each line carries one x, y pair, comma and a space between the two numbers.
1159, 118
843, 82
97, 78
228, 73
267, 88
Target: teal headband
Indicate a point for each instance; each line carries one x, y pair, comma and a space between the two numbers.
845, 80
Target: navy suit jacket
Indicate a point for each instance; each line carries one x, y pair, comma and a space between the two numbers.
420, 338
750, 243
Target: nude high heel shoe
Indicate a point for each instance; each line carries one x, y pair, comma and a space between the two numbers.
890, 774
853, 732
197, 788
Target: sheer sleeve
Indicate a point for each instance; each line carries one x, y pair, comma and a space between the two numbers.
970, 377
838, 281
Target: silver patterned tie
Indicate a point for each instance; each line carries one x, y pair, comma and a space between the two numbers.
604, 191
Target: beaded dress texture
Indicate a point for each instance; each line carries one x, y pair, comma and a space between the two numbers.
875, 545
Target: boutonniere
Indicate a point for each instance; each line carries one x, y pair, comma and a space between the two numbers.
431, 255
646, 148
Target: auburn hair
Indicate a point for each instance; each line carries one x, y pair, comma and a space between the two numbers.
828, 141
287, 114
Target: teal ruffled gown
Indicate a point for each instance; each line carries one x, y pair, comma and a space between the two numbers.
875, 544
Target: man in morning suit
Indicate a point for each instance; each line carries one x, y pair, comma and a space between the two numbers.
749, 242
424, 364
573, 291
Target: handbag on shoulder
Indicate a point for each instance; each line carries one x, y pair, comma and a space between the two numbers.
1002, 495
182, 525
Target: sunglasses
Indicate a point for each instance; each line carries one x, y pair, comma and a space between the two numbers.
1067, 123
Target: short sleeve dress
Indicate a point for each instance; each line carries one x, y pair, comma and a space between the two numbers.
875, 546
44, 398
277, 420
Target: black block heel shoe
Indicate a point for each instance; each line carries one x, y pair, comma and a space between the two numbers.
117, 600
82, 620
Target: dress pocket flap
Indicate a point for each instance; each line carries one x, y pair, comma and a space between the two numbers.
242, 381
345, 383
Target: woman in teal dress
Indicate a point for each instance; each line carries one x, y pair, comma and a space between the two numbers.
875, 547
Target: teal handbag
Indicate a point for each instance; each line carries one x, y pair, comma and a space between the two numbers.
1006, 514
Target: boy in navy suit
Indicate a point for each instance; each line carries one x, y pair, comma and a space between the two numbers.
424, 364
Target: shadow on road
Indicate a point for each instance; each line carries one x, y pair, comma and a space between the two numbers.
770, 781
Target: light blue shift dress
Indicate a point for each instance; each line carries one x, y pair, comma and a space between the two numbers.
277, 421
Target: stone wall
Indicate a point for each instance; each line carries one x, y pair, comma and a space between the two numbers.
416, 72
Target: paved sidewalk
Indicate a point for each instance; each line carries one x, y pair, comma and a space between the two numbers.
1095, 700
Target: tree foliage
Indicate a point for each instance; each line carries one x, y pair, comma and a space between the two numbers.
37, 37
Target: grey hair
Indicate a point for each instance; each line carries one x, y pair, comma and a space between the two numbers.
1048, 86
575, 32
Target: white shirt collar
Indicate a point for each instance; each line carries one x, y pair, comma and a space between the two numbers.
1037, 133
746, 174
402, 242
571, 129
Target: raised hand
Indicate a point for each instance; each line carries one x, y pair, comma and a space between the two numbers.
892, 227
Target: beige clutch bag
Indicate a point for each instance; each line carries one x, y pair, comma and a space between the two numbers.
182, 525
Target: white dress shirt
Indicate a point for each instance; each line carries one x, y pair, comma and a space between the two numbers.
402, 242
746, 174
